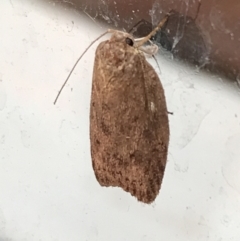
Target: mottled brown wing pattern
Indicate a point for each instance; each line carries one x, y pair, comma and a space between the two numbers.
129, 128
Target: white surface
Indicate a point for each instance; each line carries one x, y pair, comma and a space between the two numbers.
47, 186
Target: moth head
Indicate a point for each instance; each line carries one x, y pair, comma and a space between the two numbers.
122, 37
126, 38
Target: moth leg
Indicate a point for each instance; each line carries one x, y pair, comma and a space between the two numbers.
150, 50
157, 63
135, 26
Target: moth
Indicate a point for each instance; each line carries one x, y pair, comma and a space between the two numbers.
129, 128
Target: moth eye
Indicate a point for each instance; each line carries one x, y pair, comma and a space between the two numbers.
129, 41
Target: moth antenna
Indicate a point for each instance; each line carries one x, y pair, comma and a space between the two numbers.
145, 39
109, 30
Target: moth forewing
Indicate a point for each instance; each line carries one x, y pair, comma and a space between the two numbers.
129, 129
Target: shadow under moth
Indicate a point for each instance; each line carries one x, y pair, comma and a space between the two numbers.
129, 128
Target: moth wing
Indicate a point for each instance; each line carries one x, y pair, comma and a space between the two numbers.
129, 128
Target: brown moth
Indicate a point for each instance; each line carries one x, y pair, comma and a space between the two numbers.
129, 129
